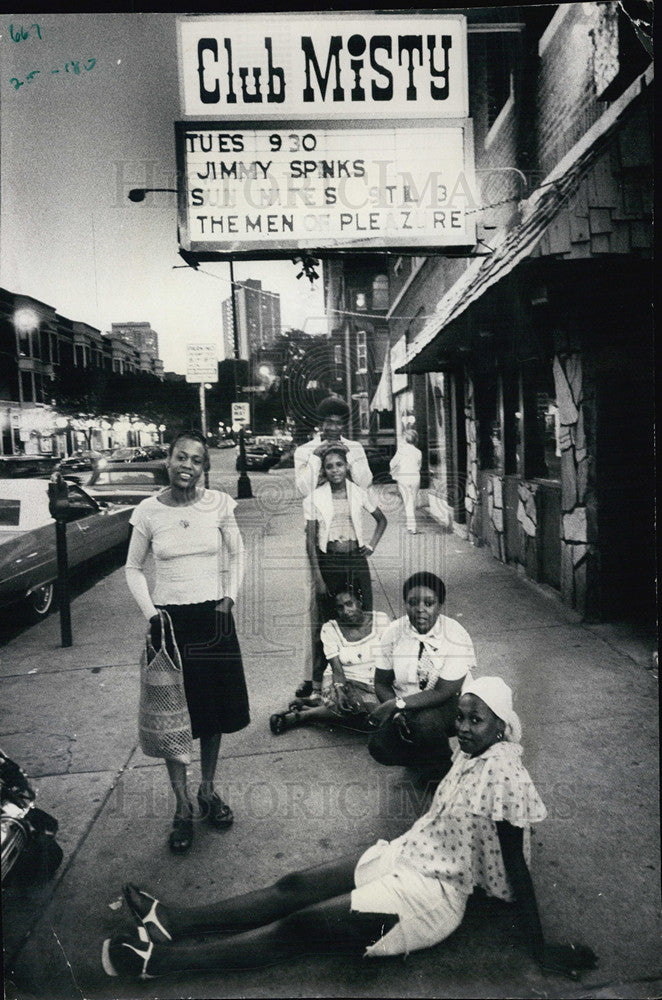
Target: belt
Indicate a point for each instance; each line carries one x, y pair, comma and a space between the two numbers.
345, 546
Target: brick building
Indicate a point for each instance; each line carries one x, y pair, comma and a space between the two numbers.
528, 367
36, 341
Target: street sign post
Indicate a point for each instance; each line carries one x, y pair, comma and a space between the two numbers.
201, 367
241, 414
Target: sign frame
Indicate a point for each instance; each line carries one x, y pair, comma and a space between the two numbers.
259, 249
354, 21
209, 349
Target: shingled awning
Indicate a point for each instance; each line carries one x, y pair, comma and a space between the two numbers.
518, 243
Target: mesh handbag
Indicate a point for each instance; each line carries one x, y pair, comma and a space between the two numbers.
164, 726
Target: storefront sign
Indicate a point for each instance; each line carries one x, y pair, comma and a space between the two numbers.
261, 188
329, 65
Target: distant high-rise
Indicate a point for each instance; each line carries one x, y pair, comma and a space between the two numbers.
258, 318
144, 340
139, 335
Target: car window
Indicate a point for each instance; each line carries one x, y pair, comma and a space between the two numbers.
125, 478
10, 513
82, 505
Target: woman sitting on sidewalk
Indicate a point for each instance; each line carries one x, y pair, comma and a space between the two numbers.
351, 644
400, 897
425, 659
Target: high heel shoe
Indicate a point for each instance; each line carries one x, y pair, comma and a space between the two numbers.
148, 912
127, 958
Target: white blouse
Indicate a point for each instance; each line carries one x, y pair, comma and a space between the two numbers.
192, 559
358, 659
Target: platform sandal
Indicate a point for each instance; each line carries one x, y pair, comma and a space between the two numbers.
181, 836
215, 811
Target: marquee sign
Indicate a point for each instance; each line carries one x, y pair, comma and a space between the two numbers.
323, 64
323, 132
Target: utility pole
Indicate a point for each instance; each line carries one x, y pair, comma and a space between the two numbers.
203, 424
244, 491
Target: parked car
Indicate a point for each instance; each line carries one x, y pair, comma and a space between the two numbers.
258, 457
128, 455
155, 451
28, 566
127, 484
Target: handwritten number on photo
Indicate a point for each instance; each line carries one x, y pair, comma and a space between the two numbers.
71, 67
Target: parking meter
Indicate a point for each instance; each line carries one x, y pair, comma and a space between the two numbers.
58, 498
61, 511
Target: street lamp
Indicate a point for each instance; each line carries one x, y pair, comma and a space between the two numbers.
244, 491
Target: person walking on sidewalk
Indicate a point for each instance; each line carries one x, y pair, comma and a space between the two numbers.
333, 414
402, 896
334, 539
425, 659
199, 561
405, 469
351, 644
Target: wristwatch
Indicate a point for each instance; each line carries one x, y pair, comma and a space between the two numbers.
400, 704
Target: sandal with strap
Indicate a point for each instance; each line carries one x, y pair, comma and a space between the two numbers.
127, 958
148, 912
281, 721
215, 811
181, 836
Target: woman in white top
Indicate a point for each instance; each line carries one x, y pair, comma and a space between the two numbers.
334, 538
199, 562
351, 646
405, 469
426, 656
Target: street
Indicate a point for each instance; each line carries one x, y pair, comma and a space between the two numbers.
586, 695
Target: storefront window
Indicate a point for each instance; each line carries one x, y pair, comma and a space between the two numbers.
539, 422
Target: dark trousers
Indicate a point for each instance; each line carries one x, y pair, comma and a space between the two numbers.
421, 742
338, 569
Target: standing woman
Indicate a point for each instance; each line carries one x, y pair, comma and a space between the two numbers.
405, 468
334, 539
199, 561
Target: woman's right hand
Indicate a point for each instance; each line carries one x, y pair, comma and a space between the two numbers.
568, 959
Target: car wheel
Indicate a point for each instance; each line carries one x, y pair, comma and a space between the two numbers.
41, 600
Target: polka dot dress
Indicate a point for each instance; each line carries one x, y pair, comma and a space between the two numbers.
456, 841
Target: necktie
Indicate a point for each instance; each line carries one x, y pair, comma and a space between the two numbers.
423, 666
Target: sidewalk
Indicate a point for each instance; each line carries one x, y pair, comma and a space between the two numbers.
589, 708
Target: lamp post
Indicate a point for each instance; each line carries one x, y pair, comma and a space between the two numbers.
244, 491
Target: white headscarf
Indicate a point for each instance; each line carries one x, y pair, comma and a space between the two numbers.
498, 696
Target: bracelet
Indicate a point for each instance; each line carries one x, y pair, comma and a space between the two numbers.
368, 546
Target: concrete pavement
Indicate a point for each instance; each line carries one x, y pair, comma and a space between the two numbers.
589, 707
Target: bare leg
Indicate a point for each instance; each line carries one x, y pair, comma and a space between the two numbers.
209, 750
177, 775
326, 927
262, 906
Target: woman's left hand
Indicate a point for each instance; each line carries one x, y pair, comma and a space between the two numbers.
366, 550
225, 605
568, 959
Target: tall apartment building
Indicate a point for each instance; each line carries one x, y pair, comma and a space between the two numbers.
258, 318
